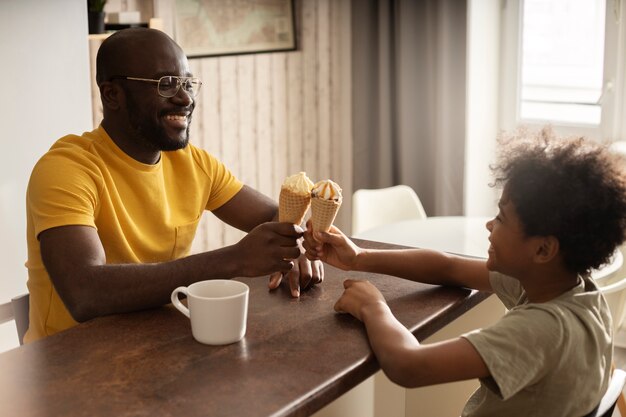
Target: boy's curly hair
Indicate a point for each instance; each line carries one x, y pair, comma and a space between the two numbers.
571, 188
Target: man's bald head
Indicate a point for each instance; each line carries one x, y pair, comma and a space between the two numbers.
128, 51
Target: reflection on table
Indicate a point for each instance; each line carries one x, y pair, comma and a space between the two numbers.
297, 356
454, 234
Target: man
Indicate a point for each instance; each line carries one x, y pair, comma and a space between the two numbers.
111, 214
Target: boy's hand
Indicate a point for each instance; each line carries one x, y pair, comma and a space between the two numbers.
359, 298
333, 247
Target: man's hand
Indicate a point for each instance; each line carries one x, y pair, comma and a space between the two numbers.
304, 274
268, 248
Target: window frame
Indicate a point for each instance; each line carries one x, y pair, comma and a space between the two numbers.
612, 126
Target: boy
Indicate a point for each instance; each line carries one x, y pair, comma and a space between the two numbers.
561, 214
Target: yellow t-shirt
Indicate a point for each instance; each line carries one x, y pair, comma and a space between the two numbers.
143, 213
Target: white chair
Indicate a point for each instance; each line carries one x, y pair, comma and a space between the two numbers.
613, 287
612, 397
21, 307
375, 207
17, 310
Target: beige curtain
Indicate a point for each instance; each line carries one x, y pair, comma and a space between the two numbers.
409, 98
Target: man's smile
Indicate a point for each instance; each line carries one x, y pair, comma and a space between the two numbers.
178, 120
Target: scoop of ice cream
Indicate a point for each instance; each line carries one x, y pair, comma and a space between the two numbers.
298, 183
327, 189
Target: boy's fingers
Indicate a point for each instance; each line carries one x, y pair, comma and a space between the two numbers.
325, 237
320, 236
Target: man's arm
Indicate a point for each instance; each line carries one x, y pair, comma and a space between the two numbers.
247, 209
76, 262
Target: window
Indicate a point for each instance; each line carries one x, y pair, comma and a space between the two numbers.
562, 64
562, 60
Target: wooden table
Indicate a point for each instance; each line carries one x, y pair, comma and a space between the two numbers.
454, 234
297, 356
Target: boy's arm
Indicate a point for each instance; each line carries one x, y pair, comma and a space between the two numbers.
423, 265
399, 354
410, 364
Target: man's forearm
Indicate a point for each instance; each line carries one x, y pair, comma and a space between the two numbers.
117, 288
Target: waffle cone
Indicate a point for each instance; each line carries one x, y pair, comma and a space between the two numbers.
323, 213
292, 207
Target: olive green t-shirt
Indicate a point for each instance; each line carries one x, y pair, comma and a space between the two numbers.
545, 359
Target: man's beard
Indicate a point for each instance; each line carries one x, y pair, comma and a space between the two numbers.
150, 133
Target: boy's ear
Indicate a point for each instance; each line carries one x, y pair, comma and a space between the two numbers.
547, 249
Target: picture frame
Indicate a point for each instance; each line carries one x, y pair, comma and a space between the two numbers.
206, 28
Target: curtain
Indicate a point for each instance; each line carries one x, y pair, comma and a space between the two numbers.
409, 90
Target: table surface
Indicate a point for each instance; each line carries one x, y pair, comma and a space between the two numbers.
454, 234
297, 356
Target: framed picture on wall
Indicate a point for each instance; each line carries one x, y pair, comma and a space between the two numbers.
217, 27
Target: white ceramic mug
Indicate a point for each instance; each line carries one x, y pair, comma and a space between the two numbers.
218, 310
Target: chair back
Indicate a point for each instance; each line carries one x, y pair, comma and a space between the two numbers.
612, 394
21, 306
613, 287
375, 207
6, 312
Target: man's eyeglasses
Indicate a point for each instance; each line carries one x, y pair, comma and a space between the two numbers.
168, 85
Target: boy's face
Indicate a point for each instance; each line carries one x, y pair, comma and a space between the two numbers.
511, 251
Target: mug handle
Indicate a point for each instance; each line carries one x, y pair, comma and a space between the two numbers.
180, 306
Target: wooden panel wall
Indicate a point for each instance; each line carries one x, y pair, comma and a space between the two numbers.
270, 115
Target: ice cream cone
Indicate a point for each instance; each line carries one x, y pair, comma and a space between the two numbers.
295, 198
292, 207
323, 213
325, 202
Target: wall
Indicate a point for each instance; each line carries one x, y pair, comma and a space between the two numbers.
45, 96
483, 63
268, 116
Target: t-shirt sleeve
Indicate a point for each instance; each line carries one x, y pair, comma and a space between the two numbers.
519, 348
61, 192
224, 185
508, 289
